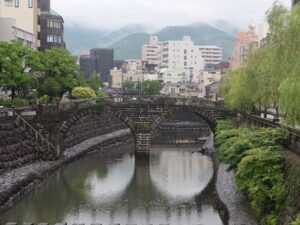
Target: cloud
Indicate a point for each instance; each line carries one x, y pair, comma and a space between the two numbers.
112, 14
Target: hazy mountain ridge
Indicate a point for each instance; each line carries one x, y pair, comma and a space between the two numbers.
128, 40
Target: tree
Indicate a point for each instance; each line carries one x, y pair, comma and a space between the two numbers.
49, 86
62, 67
16, 62
128, 86
83, 92
95, 82
151, 87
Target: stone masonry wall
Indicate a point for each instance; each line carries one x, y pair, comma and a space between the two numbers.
92, 126
17, 147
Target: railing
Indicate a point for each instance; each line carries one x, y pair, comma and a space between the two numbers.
37, 135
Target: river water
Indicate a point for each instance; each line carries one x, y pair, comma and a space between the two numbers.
164, 189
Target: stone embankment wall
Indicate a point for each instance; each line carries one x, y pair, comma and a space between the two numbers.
92, 126
18, 147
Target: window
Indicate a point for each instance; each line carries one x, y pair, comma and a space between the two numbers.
17, 3
8, 3
54, 39
30, 3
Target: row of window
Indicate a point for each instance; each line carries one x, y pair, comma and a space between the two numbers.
16, 3
54, 39
54, 24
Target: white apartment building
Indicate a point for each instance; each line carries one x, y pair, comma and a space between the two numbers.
151, 53
23, 15
116, 78
183, 55
211, 54
174, 76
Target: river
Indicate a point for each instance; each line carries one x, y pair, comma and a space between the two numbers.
164, 189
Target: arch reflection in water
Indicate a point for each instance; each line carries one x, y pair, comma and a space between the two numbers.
97, 190
178, 174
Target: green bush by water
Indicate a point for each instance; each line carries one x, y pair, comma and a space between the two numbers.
255, 154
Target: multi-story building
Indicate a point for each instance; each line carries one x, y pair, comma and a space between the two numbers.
151, 53
246, 43
183, 55
174, 76
52, 27
211, 54
100, 61
10, 32
24, 23
116, 78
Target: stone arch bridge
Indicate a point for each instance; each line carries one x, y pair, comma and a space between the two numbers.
144, 118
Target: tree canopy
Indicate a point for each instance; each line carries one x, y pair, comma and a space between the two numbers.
270, 78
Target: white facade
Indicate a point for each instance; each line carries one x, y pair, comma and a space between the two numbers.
25, 13
151, 77
211, 54
116, 78
183, 55
151, 53
207, 78
174, 76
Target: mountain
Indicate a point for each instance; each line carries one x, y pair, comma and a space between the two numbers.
202, 34
82, 38
127, 41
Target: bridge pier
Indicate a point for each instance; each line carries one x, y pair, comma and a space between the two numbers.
142, 145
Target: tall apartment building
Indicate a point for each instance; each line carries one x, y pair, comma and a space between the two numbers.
52, 27
211, 54
151, 53
246, 43
183, 55
100, 61
20, 20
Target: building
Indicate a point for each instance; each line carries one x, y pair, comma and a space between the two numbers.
9, 32
24, 21
52, 27
179, 55
211, 54
174, 76
87, 65
151, 53
100, 61
116, 78
208, 77
212, 91
183, 55
187, 90
246, 43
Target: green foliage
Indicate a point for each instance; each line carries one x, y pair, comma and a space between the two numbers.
102, 94
143, 127
16, 62
50, 87
45, 99
270, 76
128, 86
62, 67
254, 152
297, 221
151, 87
260, 174
16, 102
83, 92
95, 82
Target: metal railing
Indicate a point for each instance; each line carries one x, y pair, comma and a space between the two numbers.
20, 121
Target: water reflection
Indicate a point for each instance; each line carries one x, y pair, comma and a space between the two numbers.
96, 190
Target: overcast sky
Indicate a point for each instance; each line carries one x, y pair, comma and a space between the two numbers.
112, 14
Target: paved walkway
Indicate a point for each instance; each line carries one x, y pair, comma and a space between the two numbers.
236, 202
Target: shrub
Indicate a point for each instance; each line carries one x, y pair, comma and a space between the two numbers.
83, 92
297, 221
261, 175
16, 102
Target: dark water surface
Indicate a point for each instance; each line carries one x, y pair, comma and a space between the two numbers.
161, 190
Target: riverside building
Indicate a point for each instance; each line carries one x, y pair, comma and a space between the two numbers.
19, 20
